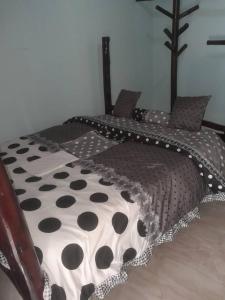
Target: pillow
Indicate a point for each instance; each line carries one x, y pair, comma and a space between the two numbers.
157, 117
138, 114
125, 103
188, 112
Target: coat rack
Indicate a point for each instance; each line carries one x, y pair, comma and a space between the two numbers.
173, 45
216, 42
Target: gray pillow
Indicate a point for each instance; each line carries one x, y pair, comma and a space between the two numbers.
125, 103
157, 117
188, 112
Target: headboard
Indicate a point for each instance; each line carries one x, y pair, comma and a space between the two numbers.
220, 129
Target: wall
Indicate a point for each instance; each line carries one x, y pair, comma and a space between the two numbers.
201, 67
50, 58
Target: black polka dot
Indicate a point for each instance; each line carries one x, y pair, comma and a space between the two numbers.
87, 291
78, 185
30, 204
72, 256
32, 158
33, 179
43, 149
13, 146
69, 165
19, 171
141, 228
88, 221
20, 192
126, 196
104, 257
39, 254
84, 171
22, 151
99, 197
61, 175
24, 138
31, 143
2, 154
58, 293
47, 187
104, 182
9, 160
129, 254
65, 201
49, 225
119, 222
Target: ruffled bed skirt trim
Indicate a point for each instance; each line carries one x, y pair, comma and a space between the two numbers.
103, 289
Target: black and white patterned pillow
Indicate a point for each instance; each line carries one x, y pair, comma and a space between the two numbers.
138, 114
157, 117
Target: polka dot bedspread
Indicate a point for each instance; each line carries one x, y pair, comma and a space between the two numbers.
204, 147
83, 228
86, 229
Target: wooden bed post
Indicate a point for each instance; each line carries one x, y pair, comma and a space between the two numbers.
16, 244
107, 74
173, 45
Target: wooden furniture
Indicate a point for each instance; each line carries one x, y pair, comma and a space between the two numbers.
15, 240
106, 74
16, 244
107, 88
173, 45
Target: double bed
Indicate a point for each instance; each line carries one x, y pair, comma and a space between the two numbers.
83, 201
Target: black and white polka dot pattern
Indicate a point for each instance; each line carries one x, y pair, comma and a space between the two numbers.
75, 211
157, 117
203, 147
88, 145
3, 261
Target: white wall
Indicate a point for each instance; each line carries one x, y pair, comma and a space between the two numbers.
50, 58
201, 67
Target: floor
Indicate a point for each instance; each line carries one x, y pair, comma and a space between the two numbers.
190, 268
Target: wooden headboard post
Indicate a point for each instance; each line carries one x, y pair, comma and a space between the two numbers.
107, 74
16, 244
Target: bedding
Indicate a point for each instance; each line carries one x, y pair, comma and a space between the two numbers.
157, 117
205, 148
188, 112
125, 103
131, 188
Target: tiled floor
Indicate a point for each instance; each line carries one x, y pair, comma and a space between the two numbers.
190, 268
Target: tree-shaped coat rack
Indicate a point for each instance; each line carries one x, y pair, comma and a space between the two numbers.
216, 42
173, 44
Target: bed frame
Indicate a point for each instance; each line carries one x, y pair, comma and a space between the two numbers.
107, 88
15, 240
16, 244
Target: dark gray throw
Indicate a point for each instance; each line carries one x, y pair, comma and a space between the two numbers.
170, 179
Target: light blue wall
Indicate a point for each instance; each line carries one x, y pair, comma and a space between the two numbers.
50, 58
201, 67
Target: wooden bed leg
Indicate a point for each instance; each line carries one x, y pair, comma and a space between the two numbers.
16, 244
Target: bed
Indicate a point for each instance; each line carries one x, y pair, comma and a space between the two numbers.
83, 201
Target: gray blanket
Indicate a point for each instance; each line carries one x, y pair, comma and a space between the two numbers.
205, 147
170, 180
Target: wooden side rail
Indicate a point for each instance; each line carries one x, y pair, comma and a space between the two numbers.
16, 244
